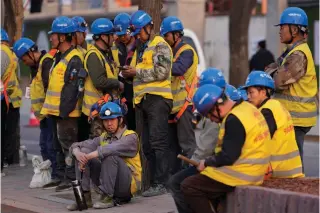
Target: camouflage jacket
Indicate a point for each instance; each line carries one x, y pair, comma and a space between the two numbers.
294, 68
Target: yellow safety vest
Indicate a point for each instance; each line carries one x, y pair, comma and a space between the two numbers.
91, 94
179, 83
37, 93
115, 55
300, 98
285, 158
82, 50
140, 88
133, 163
56, 82
13, 87
253, 162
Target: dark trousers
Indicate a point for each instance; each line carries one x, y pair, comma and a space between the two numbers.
67, 129
300, 133
83, 127
201, 191
3, 129
46, 144
174, 185
131, 117
181, 139
12, 135
155, 111
61, 165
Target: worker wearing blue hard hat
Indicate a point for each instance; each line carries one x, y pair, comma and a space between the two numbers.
40, 63
111, 161
81, 30
11, 95
294, 73
243, 136
126, 46
65, 90
102, 72
183, 85
285, 160
243, 93
150, 69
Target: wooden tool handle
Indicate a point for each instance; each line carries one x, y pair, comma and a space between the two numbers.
192, 162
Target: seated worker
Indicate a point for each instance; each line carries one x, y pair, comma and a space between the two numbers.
207, 139
241, 156
111, 161
285, 158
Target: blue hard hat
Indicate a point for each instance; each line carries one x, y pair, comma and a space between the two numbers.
243, 93
294, 15
4, 35
212, 76
259, 78
80, 24
206, 97
110, 110
170, 24
232, 92
138, 20
63, 25
22, 46
102, 26
122, 21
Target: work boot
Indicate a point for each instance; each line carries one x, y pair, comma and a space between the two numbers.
155, 190
53, 184
74, 206
104, 203
64, 186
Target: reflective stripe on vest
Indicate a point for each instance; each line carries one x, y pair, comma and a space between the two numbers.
133, 163
161, 88
254, 159
285, 156
299, 99
51, 105
181, 84
13, 90
91, 94
37, 93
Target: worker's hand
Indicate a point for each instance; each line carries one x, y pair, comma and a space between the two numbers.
129, 72
201, 166
81, 157
92, 155
82, 167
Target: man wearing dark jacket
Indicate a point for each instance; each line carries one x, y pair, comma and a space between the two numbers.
261, 58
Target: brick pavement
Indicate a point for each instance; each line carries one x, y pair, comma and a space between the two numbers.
17, 196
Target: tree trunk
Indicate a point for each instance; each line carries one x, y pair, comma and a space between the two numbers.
153, 8
13, 19
240, 14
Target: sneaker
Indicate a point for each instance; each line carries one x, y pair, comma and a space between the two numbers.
53, 184
64, 186
155, 190
74, 206
104, 203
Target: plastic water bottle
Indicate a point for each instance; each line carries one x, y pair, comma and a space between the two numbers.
23, 159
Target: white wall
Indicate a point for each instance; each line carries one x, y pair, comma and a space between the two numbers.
216, 40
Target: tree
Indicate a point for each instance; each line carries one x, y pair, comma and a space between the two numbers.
13, 19
153, 8
240, 14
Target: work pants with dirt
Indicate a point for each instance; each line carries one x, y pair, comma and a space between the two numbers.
83, 127
202, 193
153, 112
46, 144
182, 139
111, 175
300, 133
12, 135
174, 185
130, 117
67, 129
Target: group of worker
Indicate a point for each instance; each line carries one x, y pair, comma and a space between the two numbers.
88, 97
